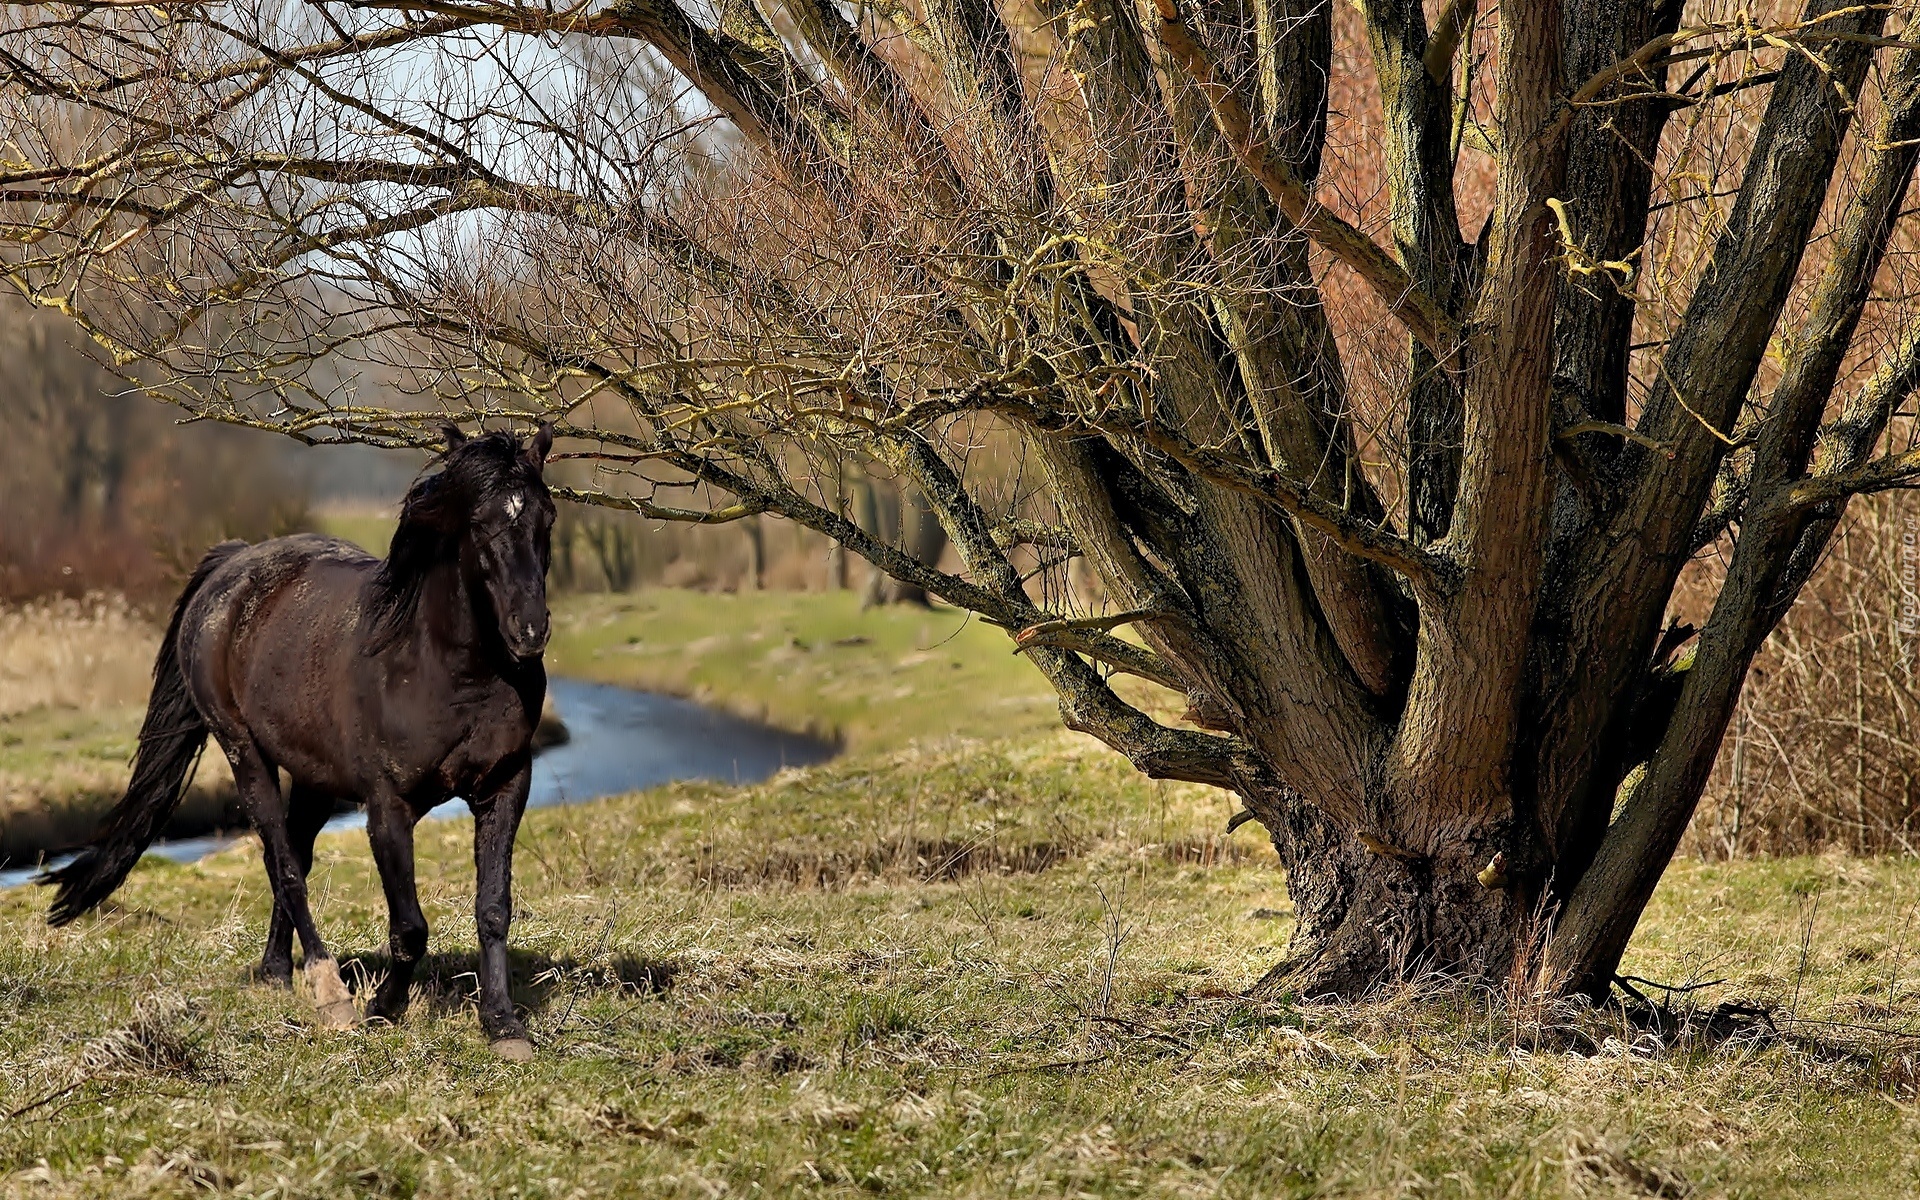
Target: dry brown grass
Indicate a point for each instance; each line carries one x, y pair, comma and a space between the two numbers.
1074, 1030
92, 653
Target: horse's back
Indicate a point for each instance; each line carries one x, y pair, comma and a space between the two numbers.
260, 579
272, 613
272, 563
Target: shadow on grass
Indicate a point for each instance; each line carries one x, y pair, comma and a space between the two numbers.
925, 860
448, 983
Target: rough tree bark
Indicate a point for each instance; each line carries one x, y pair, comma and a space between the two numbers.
1398, 505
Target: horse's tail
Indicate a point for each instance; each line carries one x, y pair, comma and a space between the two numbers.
171, 738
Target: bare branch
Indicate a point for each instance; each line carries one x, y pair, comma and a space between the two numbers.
1421, 314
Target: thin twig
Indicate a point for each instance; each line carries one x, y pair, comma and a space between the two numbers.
47, 1099
1671, 988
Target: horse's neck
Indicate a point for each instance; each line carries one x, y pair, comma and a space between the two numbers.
449, 628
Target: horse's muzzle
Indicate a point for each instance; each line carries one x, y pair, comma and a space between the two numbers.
528, 639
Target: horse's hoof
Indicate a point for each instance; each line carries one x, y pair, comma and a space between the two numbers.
331, 999
513, 1049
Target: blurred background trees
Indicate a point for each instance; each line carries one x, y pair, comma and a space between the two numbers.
103, 489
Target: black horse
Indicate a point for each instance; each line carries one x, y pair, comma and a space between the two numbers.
398, 684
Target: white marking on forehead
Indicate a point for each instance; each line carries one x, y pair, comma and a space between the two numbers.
515, 503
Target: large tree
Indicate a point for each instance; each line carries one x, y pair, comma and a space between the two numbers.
1389, 425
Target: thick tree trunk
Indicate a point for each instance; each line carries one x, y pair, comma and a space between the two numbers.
756, 534
922, 538
882, 521
1368, 918
837, 552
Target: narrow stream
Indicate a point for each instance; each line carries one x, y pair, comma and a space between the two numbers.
620, 741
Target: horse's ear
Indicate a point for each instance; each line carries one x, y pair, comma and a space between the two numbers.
451, 432
541, 444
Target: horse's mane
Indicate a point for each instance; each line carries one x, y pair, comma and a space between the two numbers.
435, 513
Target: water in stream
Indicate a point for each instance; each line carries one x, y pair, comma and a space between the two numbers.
620, 740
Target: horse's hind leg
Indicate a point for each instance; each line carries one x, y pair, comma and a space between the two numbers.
307, 811
390, 822
259, 786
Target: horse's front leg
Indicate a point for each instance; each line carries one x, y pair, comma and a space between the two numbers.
496, 819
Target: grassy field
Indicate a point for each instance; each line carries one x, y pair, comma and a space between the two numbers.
811, 662
73, 678
972, 957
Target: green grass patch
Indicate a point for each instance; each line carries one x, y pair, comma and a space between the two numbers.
62, 768
370, 532
810, 662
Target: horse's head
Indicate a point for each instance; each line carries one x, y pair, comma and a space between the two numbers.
488, 510
506, 544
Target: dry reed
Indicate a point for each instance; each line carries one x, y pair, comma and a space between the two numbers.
91, 653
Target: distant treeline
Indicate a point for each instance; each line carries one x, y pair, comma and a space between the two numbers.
603, 549
101, 489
